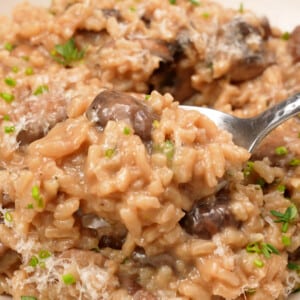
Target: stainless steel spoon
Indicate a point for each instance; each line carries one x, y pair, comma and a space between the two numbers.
248, 133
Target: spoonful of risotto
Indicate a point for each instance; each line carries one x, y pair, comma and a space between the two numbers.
248, 133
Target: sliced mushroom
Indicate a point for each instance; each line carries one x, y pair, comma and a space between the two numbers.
208, 217
294, 44
243, 46
117, 106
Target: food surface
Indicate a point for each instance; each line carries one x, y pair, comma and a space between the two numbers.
108, 189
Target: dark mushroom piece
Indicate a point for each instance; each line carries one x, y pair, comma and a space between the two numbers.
171, 76
294, 44
208, 217
117, 106
245, 47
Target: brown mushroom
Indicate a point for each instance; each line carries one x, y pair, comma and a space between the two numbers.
244, 46
117, 106
209, 216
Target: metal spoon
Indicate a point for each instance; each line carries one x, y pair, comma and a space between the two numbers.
248, 133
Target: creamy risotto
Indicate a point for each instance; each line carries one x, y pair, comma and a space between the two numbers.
108, 189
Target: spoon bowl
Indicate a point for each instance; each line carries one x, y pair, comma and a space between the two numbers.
249, 132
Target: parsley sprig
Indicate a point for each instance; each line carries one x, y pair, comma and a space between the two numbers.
262, 248
67, 53
285, 218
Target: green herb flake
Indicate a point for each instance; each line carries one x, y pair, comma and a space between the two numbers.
285, 36
248, 168
35, 193
109, 153
285, 218
34, 261
10, 81
294, 162
167, 148
147, 97
172, 2
281, 150
241, 9
25, 58
126, 130
43, 254
261, 182
293, 266
68, 279
8, 217
8, 98
132, 9
29, 206
262, 248
6, 118
195, 2
41, 89
15, 69
250, 291
9, 46
286, 240
29, 71
28, 298
155, 124
206, 15
281, 188
9, 129
67, 53
258, 263
268, 249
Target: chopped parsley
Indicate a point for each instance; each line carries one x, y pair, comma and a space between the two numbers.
206, 15
41, 89
248, 168
28, 298
68, 279
29, 206
281, 188
9, 46
8, 98
9, 129
34, 261
67, 53
262, 248
6, 118
10, 81
35, 193
29, 71
43, 254
167, 148
285, 36
147, 97
25, 57
258, 263
15, 69
155, 124
293, 266
285, 218
126, 130
286, 240
109, 153
294, 162
281, 150
261, 182
195, 2
172, 2
8, 217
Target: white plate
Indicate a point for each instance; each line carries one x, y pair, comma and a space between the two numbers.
283, 14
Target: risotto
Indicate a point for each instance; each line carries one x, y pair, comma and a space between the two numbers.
108, 189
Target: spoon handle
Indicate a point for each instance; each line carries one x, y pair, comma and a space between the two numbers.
264, 123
